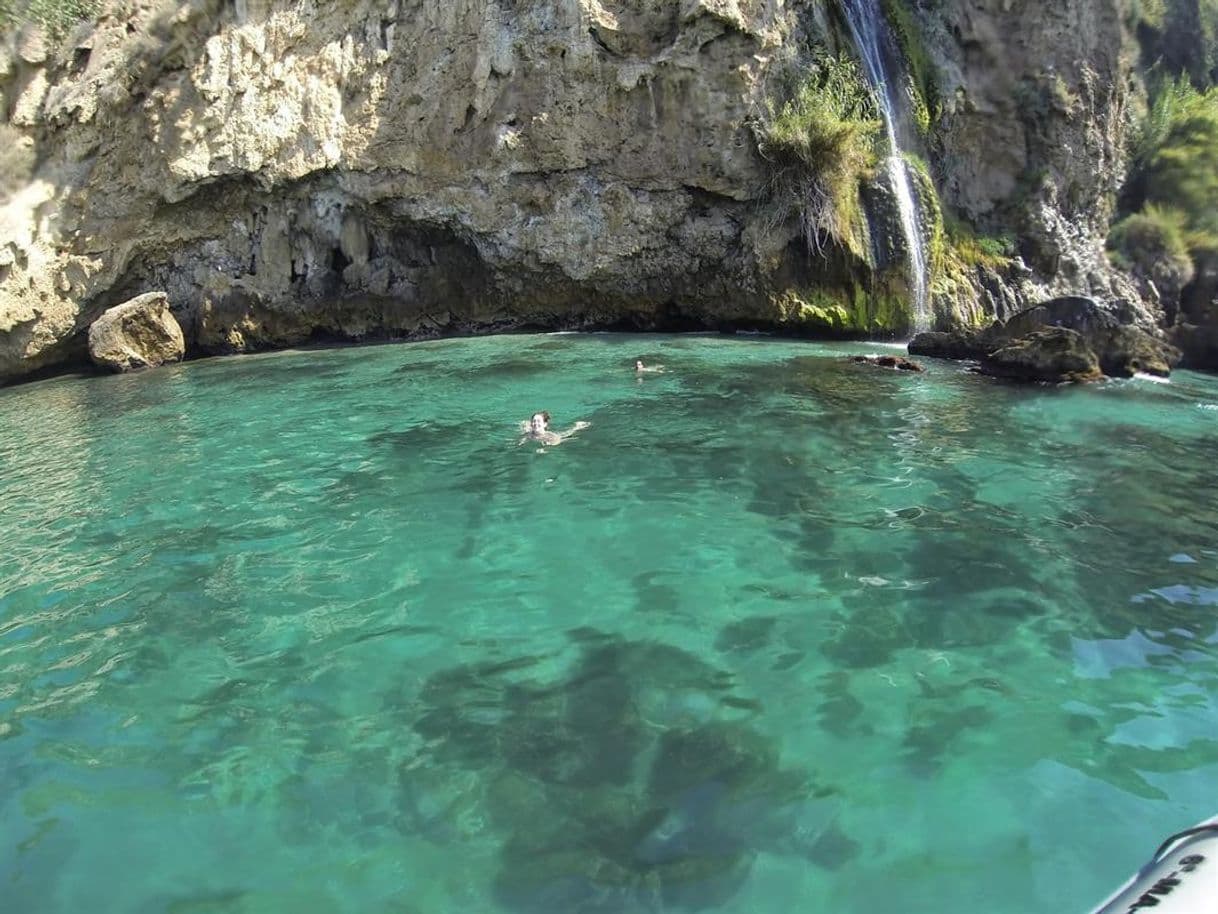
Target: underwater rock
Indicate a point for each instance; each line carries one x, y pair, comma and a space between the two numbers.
888, 361
140, 333
622, 784
1054, 354
746, 635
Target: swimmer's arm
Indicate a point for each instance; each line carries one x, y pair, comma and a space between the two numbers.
577, 427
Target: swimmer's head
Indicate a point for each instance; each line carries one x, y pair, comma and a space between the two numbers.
638, 364
538, 422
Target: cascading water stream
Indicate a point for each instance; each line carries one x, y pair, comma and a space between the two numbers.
869, 30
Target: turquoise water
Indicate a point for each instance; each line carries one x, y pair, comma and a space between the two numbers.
309, 632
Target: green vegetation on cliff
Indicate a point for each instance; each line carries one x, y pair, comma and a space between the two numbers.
954, 251
53, 15
1169, 226
924, 89
1153, 243
822, 143
845, 311
1173, 180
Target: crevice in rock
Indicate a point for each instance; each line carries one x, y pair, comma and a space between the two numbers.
600, 43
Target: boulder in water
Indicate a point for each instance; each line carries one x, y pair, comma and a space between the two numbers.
1107, 333
1199, 343
140, 333
1124, 351
1084, 315
1054, 354
954, 344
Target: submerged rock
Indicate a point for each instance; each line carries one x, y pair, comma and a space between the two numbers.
888, 361
625, 783
140, 333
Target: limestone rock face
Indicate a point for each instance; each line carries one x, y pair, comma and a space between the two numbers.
362, 168
1036, 102
285, 169
141, 333
1016, 77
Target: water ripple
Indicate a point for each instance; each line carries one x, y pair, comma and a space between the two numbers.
320, 607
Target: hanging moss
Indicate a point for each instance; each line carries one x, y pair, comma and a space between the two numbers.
878, 311
925, 103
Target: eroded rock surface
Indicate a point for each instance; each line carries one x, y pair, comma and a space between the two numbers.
1054, 354
404, 168
1023, 347
141, 333
1036, 97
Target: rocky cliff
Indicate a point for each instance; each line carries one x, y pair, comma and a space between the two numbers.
400, 168
1036, 105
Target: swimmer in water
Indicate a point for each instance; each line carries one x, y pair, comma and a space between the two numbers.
640, 368
538, 429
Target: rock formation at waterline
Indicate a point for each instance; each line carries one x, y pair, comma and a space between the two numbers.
402, 168
1066, 339
141, 333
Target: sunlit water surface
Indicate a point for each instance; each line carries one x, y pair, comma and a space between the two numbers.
309, 632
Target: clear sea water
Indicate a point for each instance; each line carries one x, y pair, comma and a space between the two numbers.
310, 632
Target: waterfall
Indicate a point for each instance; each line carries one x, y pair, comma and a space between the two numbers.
870, 31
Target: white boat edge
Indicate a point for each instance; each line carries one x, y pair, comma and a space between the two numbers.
1182, 878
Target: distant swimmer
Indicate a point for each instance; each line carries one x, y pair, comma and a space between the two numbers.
538, 429
640, 368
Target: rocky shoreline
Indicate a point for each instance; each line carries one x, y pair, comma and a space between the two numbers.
1061, 341
1067, 339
